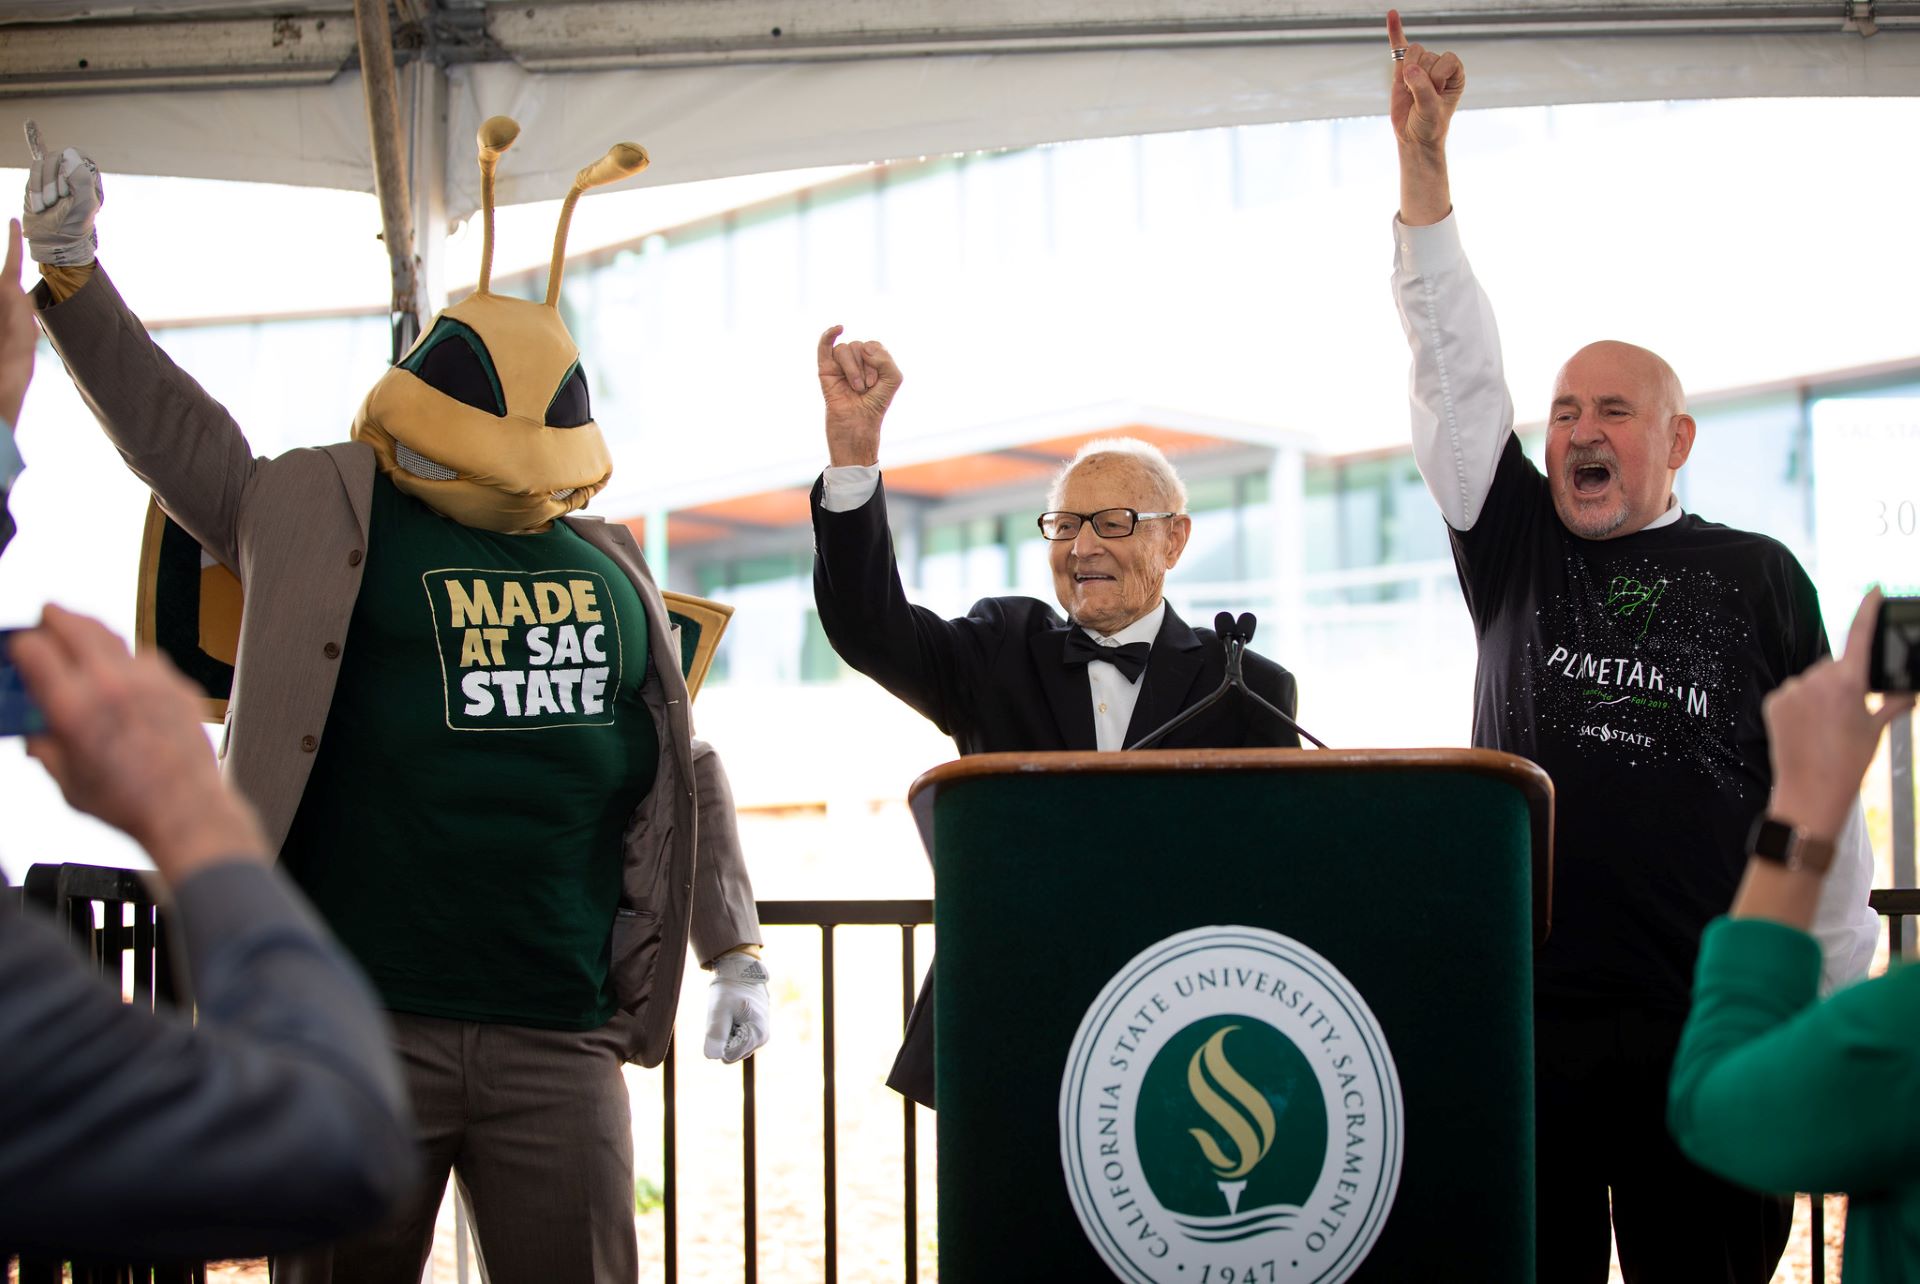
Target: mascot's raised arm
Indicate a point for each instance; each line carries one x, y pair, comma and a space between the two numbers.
460, 709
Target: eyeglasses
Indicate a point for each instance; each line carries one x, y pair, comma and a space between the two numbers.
1108, 523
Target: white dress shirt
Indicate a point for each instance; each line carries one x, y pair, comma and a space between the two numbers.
1114, 696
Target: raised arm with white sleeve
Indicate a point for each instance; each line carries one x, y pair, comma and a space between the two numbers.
1462, 413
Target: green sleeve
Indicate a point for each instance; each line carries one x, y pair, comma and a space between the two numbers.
1776, 1091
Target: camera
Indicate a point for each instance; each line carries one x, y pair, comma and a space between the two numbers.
1896, 646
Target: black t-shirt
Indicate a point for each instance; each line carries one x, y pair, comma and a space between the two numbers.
1632, 669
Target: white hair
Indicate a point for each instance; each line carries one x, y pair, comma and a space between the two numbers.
1148, 456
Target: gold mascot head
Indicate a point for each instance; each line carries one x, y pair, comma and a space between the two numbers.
486, 418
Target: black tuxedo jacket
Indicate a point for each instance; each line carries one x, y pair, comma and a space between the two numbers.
994, 680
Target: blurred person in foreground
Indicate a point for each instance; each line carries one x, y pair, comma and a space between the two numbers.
280, 1118
1625, 645
1773, 1086
1013, 675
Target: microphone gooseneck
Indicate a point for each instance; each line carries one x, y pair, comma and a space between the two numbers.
1234, 636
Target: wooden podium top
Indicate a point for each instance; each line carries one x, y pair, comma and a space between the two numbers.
1528, 778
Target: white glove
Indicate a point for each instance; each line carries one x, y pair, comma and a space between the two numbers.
739, 1015
64, 193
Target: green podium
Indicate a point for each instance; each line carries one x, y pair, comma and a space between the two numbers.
1236, 1016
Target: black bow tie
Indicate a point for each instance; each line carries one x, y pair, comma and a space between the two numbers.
1130, 659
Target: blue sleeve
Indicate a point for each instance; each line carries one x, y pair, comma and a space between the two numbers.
11, 466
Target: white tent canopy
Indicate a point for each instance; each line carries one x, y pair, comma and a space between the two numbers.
721, 87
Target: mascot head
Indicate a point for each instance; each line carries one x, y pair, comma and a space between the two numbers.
486, 418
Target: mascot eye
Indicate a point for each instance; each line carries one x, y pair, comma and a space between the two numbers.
569, 408
453, 360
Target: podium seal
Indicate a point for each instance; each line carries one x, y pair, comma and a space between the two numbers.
1230, 1114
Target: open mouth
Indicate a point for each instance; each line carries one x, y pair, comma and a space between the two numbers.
1591, 479
428, 470
419, 465
1089, 577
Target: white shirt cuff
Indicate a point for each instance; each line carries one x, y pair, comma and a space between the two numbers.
1434, 247
846, 488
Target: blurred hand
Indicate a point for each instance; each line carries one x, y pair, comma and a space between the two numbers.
1426, 90
124, 743
739, 1013
857, 380
19, 332
1821, 734
64, 193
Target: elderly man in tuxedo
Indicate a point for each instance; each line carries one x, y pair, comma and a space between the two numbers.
1012, 674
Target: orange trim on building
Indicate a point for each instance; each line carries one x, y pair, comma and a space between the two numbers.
1034, 462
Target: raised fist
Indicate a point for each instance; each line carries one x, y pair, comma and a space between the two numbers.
857, 380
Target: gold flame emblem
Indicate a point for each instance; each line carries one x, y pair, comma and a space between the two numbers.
1241, 1112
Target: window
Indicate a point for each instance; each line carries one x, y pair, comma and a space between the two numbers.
1214, 552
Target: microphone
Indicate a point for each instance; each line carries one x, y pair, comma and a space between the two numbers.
1234, 636
1232, 630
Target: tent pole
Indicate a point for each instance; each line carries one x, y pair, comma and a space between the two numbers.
426, 83
389, 166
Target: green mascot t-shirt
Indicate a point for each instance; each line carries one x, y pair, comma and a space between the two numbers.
487, 745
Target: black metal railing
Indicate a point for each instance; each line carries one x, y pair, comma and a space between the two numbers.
826, 916
112, 916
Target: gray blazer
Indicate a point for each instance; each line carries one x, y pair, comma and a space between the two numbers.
294, 529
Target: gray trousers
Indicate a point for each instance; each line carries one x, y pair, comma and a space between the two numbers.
536, 1128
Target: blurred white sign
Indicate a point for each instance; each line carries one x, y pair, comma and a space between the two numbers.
1866, 502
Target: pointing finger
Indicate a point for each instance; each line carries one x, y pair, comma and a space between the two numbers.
1396, 33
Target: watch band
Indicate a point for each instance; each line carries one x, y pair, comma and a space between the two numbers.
1782, 844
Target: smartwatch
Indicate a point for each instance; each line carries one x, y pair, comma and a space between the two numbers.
1782, 844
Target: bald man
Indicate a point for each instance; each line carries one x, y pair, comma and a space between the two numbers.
1625, 645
